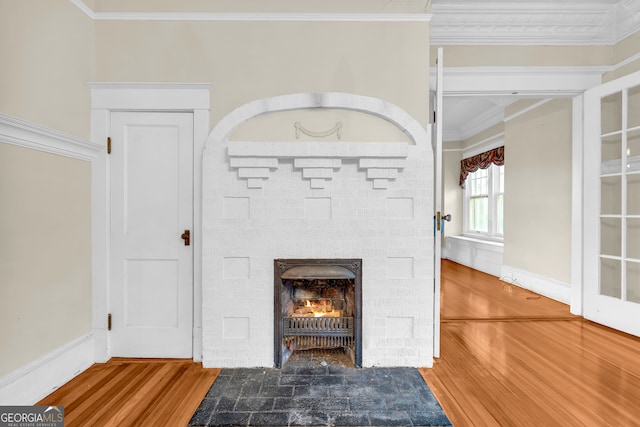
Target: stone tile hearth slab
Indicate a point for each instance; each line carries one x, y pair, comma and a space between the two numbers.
319, 396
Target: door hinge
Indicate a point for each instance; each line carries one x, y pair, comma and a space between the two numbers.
109, 145
109, 322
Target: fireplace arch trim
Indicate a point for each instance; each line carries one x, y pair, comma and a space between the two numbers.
338, 100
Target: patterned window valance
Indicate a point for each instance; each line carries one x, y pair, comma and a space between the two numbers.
481, 161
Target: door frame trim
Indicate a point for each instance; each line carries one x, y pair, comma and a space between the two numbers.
149, 97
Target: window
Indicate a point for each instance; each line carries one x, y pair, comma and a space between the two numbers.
484, 202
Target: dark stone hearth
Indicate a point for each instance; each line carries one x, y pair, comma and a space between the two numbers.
303, 395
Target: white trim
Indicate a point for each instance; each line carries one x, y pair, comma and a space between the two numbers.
550, 288
482, 255
30, 383
177, 97
30, 135
84, 8
627, 61
577, 185
520, 81
527, 109
338, 100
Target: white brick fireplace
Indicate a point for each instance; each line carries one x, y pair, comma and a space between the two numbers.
318, 197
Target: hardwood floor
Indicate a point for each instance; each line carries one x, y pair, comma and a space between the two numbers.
512, 358
134, 392
508, 358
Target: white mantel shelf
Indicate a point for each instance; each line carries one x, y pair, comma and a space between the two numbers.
255, 161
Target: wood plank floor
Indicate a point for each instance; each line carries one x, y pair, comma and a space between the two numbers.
134, 392
509, 358
512, 358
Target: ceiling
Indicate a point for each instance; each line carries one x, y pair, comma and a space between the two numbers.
528, 22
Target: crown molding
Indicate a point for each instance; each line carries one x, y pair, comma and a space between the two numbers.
542, 23
252, 17
30, 135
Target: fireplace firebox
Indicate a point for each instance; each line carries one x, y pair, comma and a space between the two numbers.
317, 305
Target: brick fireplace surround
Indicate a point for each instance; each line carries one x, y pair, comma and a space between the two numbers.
264, 200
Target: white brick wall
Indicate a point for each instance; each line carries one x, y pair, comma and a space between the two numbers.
246, 228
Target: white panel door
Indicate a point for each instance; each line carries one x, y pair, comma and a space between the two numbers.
437, 151
612, 204
151, 271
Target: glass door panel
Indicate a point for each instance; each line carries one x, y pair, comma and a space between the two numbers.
611, 113
633, 238
633, 194
611, 237
610, 278
611, 195
633, 114
633, 281
633, 151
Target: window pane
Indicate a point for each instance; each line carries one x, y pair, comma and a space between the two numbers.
501, 185
479, 214
479, 182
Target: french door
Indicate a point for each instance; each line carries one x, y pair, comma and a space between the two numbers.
151, 274
612, 204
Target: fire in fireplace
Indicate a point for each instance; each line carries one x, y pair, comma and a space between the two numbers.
317, 305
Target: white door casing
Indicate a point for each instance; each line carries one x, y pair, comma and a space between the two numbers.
151, 207
107, 98
612, 204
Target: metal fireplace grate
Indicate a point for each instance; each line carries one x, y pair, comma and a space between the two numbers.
318, 332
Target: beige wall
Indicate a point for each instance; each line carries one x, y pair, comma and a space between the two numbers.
502, 55
250, 60
624, 49
47, 55
45, 253
538, 191
452, 192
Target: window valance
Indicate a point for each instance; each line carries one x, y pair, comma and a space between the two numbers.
481, 161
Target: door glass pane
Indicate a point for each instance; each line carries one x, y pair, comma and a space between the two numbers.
611, 113
633, 194
633, 281
634, 107
611, 195
633, 238
611, 154
611, 236
610, 277
633, 152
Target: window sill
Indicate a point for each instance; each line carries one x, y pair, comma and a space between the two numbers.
479, 239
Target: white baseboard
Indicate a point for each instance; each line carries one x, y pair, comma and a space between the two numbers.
29, 384
551, 288
480, 255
